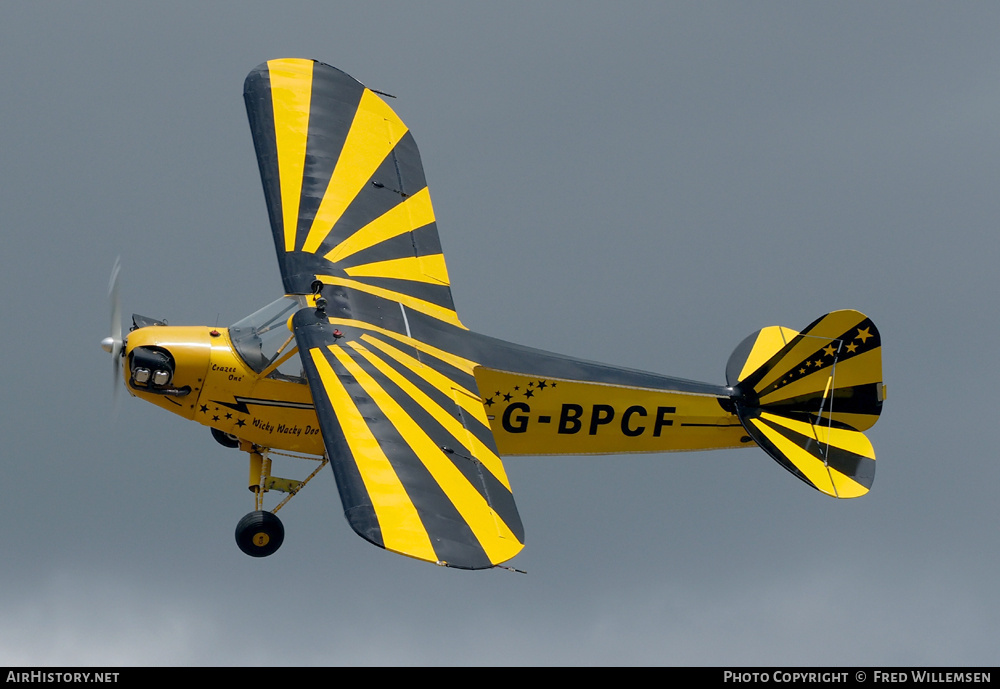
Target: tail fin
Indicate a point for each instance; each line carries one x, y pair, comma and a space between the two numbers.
806, 397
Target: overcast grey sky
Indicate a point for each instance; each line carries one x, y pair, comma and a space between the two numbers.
643, 185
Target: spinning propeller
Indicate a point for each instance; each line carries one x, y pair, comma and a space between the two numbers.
113, 343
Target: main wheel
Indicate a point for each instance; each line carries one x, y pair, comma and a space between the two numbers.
259, 534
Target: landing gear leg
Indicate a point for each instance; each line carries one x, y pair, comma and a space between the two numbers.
260, 533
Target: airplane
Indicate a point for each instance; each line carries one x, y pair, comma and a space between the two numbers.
363, 364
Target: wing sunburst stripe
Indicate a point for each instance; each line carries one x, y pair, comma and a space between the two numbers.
291, 92
413, 268
471, 402
435, 294
453, 426
374, 133
433, 310
402, 529
460, 363
493, 535
415, 211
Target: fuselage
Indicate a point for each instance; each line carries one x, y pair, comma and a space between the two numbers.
212, 384
247, 382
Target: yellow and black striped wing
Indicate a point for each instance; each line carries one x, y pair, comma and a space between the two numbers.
345, 188
414, 458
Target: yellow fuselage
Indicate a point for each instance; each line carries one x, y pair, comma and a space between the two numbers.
225, 393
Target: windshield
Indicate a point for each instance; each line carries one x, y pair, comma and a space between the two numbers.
263, 338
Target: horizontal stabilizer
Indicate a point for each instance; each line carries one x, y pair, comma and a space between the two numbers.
836, 461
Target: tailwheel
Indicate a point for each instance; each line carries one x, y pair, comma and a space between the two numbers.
259, 533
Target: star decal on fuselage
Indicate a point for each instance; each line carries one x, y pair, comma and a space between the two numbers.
529, 391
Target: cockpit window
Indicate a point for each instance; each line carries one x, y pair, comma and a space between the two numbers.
263, 338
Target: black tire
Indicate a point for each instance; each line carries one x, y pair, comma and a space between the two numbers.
259, 534
225, 439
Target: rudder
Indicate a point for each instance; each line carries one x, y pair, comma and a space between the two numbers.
806, 397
